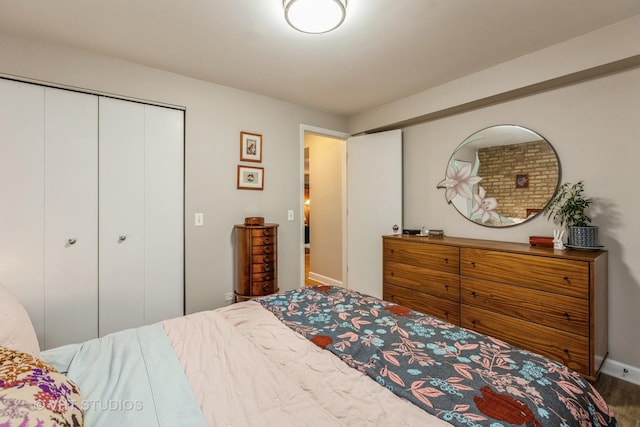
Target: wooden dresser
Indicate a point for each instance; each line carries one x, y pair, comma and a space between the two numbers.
256, 260
544, 300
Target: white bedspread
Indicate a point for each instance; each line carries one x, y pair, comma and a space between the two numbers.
248, 369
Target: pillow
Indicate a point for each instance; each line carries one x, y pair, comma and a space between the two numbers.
16, 329
34, 394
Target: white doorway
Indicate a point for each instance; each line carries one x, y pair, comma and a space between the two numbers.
370, 196
323, 204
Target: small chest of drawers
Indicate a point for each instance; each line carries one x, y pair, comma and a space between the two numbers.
256, 260
546, 301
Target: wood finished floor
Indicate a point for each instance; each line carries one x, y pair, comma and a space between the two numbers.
623, 397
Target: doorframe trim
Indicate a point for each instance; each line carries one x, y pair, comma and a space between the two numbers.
333, 134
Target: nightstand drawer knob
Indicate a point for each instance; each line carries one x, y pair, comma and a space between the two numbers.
266, 288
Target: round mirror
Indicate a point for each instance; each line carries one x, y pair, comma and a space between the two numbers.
502, 176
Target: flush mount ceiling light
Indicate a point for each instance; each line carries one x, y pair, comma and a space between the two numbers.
315, 16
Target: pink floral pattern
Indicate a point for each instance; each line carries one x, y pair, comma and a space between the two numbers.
460, 376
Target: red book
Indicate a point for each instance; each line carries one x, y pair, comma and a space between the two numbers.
541, 241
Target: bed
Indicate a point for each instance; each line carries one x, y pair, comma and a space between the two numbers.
318, 356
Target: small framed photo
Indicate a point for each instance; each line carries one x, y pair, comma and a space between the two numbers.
250, 147
250, 178
522, 180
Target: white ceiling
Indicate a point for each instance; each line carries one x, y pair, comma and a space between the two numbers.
385, 50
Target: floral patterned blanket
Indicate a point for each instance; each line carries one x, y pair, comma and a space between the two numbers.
35, 394
463, 377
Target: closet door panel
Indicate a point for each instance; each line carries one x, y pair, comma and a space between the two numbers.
164, 217
121, 211
22, 196
71, 217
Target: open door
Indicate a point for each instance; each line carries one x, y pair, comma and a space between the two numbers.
374, 205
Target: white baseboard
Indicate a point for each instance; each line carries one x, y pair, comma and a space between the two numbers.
324, 279
622, 371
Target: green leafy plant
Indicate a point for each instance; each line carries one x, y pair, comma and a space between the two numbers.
568, 205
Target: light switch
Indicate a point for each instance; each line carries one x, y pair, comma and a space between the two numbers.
290, 215
199, 220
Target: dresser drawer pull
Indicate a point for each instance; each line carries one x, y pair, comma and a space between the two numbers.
473, 294
266, 259
446, 314
266, 241
393, 274
266, 288
267, 277
567, 316
446, 260
566, 279
266, 232
267, 249
473, 264
267, 267
446, 287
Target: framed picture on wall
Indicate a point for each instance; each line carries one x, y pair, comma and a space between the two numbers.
522, 180
250, 178
250, 147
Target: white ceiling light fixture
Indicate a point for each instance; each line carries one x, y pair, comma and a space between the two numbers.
315, 16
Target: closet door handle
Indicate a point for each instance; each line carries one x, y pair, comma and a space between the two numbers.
72, 241
122, 238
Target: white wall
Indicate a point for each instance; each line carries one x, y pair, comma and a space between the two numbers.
215, 115
595, 128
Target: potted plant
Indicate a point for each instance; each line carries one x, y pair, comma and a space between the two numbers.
568, 207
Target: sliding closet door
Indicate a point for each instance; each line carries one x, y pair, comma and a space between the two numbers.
71, 217
22, 196
164, 240
121, 212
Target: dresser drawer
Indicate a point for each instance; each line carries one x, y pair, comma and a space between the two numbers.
568, 314
264, 287
264, 259
435, 257
563, 276
434, 282
262, 232
569, 349
263, 240
263, 276
424, 303
263, 267
264, 249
